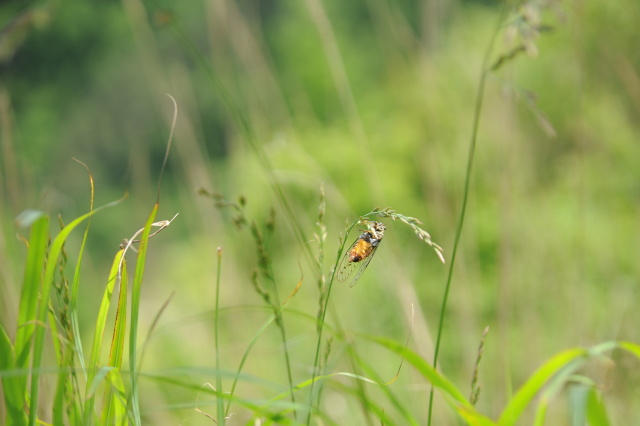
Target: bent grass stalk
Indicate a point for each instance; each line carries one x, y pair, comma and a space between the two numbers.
423, 235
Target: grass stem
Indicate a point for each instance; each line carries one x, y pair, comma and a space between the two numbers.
465, 197
219, 400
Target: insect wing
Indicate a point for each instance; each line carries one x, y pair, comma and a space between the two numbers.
363, 265
346, 267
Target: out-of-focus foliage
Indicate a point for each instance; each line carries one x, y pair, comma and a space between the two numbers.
373, 98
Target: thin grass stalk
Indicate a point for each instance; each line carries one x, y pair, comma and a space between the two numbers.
244, 359
252, 343
110, 406
265, 272
277, 310
216, 331
413, 223
321, 318
465, 197
73, 303
135, 311
114, 278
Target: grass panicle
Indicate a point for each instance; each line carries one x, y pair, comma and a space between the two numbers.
321, 238
412, 222
475, 386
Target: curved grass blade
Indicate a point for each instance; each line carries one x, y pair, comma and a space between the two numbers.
427, 371
553, 375
536, 382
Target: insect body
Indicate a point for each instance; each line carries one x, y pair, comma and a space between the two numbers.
361, 252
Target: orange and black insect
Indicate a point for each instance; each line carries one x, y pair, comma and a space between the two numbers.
360, 253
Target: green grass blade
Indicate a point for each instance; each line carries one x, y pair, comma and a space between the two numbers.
73, 302
427, 371
370, 406
101, 320
406, 415
61, 386
28, 313
541, 411
253, 341
117, 412
633, 348
112, 409
29, 295
474, 418
596, 410
536, 382
13, 387
120, 327
135, 308
247, 351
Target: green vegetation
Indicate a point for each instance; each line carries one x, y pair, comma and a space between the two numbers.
509, 129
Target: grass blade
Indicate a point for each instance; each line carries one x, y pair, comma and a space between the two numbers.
13, 387
135, 310
96, 347
536, 382
29, 293
73, 302
596, 410
113, 410
427, 371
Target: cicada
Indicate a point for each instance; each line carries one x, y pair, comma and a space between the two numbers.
360, 253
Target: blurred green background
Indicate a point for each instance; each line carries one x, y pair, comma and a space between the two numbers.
373, 99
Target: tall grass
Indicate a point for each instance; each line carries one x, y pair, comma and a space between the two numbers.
22, 369
93, 388
118, 404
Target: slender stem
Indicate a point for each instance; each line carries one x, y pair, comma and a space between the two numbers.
324, 313
320, 327
277, 312
219, 400
465, 197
